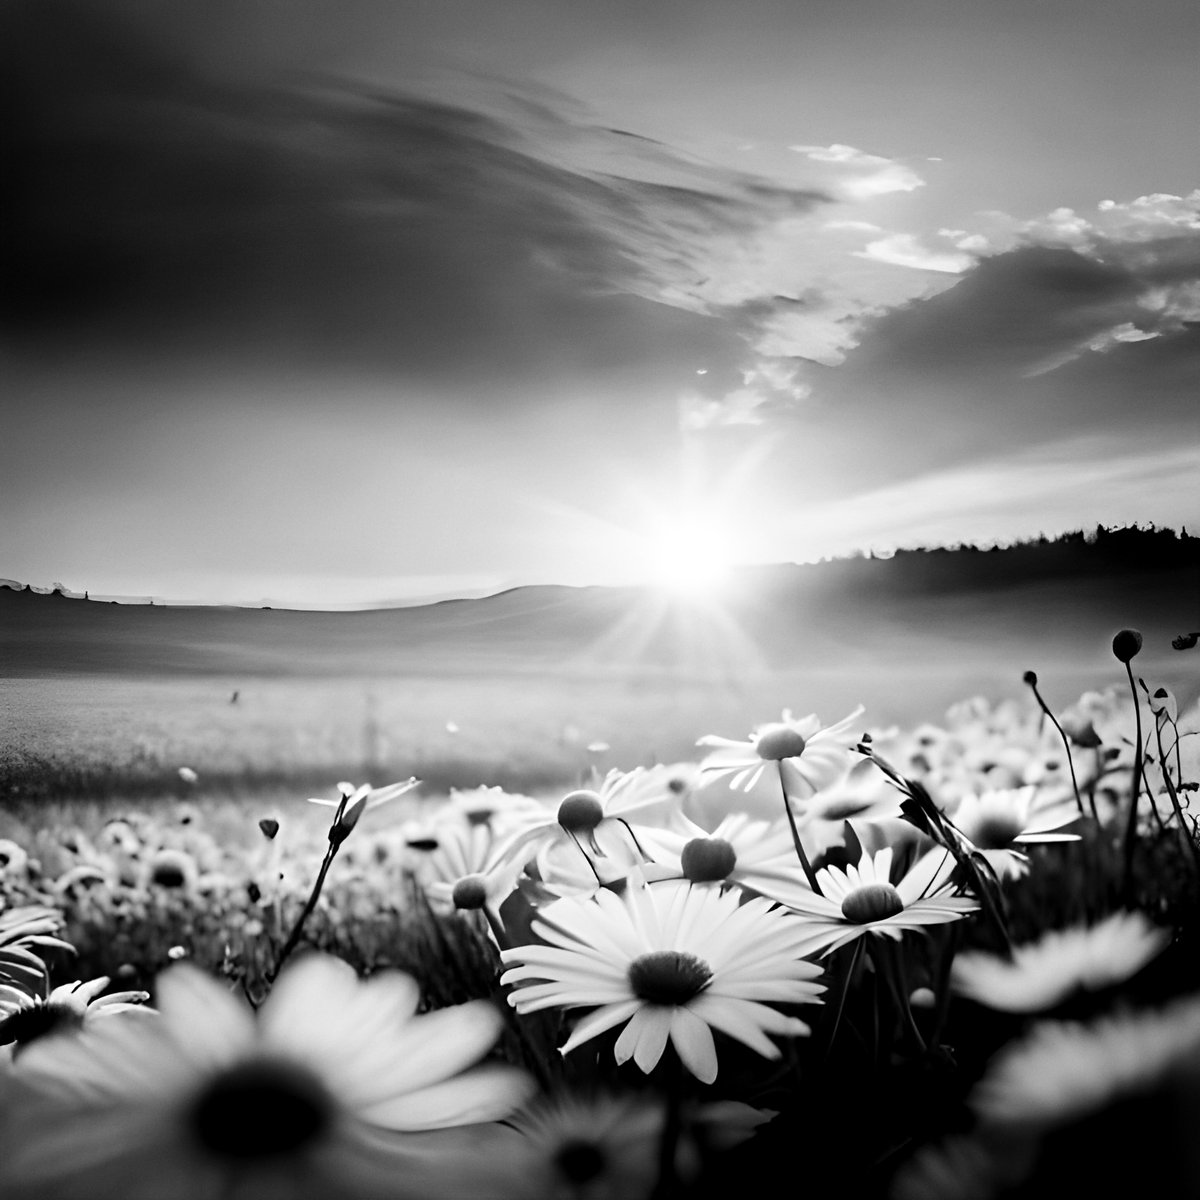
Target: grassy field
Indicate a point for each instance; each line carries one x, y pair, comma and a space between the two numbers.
534, 687
110, 735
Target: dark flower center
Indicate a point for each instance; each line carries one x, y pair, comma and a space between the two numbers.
42, 1019
580, 812
872, 902
261, 1110
996, 831
668, 977
706, 859
470, 892
778, 742
579, 1161
169, 875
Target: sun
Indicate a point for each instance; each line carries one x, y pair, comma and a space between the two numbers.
688, 555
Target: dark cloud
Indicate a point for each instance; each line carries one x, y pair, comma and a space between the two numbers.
1020, 353
150, 211
1004, 318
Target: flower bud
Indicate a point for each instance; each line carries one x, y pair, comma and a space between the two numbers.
269, 827
1030, 677
580, 811
1126, 645
470, 892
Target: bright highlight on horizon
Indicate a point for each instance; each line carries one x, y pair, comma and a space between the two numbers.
689, 555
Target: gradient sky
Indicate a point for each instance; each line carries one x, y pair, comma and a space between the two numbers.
341, 302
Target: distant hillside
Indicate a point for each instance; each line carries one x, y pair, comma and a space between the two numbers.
1062, 597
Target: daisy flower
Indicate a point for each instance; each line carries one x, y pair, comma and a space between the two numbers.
996, 823
64, 1009
667, 960
353, 801
585, 1148
505, 812
606, 1146
1106, 1109
809, 756
1044, 973
22, 931
332, 1088
590, 831
462, 873
754, 854
862, 899
14, 862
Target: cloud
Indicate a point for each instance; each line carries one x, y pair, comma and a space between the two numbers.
1072, 483
772, 386
474, 243
862, 176
904, 250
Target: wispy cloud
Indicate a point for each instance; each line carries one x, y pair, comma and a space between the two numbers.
859, 175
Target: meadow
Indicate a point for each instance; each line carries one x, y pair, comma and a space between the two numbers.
918, 925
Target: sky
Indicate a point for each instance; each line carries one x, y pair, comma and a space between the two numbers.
371, 300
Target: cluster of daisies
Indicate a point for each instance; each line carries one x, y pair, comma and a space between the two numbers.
808, 947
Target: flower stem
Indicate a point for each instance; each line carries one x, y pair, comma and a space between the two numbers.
1188, 837
294, 936
667, 1187
1135, 789
809, 873
1065, 741
845, 991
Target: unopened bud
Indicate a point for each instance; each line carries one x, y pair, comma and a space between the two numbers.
1126, 645
580, 811
269, 827
1030, 677
470, 892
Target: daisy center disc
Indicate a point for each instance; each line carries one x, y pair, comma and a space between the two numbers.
40, 1020
705, 860
668, 977
996, 831
580, 811
778, 742
872, 902
579, 1160
261, 1110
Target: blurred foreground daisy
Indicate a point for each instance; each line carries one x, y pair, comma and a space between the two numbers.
1065, 1069
608, 1146
862, 899
1060, 964
335, 1087
810, 756
667, 960
1106, 1109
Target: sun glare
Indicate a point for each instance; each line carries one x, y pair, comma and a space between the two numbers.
688, 555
